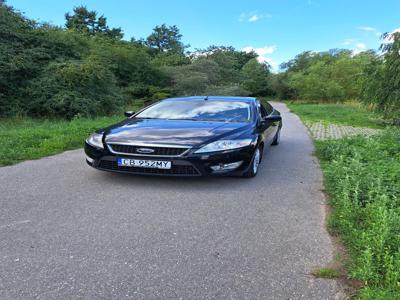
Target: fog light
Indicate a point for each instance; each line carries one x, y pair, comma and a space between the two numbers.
226, 167
89, 159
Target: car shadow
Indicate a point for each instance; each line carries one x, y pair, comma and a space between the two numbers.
189, 184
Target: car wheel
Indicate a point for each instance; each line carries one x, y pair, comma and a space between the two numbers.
255, 163
277, 138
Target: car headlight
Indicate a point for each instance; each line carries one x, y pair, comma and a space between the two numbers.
223, 145
95, 140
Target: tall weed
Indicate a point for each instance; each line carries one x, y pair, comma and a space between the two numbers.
363, 177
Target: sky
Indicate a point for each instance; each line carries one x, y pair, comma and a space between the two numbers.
276, 29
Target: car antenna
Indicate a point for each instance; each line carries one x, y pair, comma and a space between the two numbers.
206, 98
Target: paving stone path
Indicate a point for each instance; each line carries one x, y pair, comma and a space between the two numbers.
321, 131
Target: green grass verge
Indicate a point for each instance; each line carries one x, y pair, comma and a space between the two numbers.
362, 175
336, 113
26, 138
326, 273
23, 139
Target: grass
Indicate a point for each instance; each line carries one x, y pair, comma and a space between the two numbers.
362, 176
26, 138
344, 114
326, 273
23, 139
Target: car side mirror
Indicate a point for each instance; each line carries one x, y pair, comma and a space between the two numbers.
270, 119
273, 118
129, 113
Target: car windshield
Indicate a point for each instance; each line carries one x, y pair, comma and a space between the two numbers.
202, 110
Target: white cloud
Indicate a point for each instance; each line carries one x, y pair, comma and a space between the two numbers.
355, 45
359, 47
262, 52
367, 28
370, 29
253, 16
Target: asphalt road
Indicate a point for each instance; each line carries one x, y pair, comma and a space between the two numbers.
68, 231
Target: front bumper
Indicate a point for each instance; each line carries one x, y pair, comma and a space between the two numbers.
189, 164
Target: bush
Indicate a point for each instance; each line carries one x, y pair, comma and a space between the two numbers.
129, 63
25, 50
73, 88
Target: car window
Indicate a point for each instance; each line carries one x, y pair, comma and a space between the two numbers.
199, 110
268, 108
263, 111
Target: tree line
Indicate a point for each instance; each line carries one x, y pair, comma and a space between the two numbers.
340, 75
86, 68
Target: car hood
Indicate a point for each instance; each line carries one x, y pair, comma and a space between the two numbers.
175, 132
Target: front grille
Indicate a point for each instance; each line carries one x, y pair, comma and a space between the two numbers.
187, 170
161, 151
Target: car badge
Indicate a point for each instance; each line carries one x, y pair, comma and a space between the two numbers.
144, 150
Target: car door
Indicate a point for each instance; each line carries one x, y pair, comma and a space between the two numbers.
268, 128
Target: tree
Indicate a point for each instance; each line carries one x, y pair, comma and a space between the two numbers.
333, 75
382, 84
86, 21
166, 39
299, 63
213, 52
69, 89
193, 78
25, 49
255, 78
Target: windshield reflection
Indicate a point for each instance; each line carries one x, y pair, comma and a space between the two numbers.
202, 110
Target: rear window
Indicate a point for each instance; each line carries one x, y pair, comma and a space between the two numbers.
199, 110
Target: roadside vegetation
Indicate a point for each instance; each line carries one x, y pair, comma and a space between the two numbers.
362, 177
23, 139
326, 273
86, 69
337, 76
351, 114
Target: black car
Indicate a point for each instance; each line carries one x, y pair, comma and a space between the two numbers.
190, 136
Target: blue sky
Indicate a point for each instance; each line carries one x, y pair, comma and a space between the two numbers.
277, 29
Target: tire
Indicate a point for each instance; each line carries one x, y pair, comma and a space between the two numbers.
255, 163
277, 138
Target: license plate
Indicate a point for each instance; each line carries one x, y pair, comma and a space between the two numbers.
155, 164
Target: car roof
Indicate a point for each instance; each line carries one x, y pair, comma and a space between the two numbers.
221, 98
